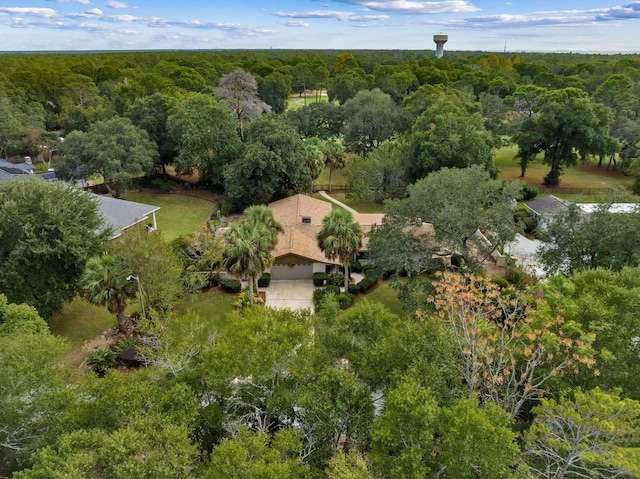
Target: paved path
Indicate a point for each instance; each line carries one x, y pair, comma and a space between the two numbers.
339, 203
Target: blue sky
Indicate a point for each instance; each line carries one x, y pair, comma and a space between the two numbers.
568, 25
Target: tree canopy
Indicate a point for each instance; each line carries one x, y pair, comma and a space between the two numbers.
48, 231
115, 149
459, 203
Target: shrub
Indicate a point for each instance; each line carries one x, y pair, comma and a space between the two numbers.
529, 192
366, 283
243, 300
101, 360
355, 266
516, 277
500, 281
336, 279
130, 342
530, 224
231, 285
332, 288
265, 280
345, 300
214, 280
353, 289
318, 296
160, 184
225, 209
435, 265
320, 278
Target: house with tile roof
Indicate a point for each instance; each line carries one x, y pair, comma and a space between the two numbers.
297, 255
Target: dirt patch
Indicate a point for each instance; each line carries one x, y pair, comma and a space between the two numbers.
77, 356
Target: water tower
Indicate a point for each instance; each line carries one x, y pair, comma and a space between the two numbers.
440, 40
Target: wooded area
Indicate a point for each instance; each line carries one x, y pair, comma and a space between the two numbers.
480, 376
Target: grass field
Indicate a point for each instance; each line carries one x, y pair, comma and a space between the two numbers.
580, 176
386, 295
339, 177
297, 101
82, 323
213, 307
178, 215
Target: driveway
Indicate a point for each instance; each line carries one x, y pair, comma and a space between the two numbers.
290, 294
524, 251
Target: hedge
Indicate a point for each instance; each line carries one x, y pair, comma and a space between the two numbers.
336, 279
333, 289
265, 280
345, 300
320, 278
231, 285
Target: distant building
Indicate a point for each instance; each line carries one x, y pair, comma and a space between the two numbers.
440, 39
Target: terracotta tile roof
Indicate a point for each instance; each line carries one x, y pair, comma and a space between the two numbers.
289, 211
299, 239
367, 220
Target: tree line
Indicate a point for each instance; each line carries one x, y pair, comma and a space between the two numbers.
447, 112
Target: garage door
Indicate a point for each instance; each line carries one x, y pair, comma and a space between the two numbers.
298, 271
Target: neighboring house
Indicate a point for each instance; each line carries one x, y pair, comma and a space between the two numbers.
297, 255
588, 208
118, 214
11, 170
544, 208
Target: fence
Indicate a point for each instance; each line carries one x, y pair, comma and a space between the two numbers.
341, 188
576, 191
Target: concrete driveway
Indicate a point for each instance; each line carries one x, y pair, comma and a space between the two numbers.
524, 250
294, 294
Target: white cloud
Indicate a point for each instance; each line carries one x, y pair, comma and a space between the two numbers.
294, 23
81, 2
115, 4
35, 12
599, 16
415, 7
342, 16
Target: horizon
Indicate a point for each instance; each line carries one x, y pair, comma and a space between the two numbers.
517, 26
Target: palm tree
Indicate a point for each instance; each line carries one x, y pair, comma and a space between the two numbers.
340, 238
261, 215
247, 252
105, 284
335, 158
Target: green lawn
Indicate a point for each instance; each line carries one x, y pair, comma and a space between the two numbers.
385, 294
81, 321
213, 307
580, 176
360, 206
178, 215
296, 101
339, 177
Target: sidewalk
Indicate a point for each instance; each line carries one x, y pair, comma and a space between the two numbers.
339, 203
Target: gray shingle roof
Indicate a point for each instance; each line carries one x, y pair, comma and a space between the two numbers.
547, 205
121, 214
